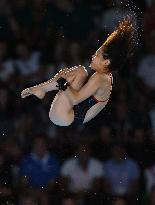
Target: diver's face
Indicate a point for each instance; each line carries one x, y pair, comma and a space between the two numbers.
98, 63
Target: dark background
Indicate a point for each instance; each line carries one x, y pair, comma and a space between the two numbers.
37, 39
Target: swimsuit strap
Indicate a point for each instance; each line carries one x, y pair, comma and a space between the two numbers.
96, 100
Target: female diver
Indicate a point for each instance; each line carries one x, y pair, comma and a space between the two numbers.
80, 99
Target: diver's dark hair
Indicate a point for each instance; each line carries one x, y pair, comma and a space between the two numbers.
119, 45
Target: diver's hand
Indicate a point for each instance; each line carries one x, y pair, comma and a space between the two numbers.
38, 92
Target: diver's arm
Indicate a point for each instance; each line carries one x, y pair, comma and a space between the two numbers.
85, 92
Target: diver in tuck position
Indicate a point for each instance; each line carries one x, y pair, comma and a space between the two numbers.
80, 99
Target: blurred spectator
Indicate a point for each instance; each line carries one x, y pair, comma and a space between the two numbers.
121, 122
140, 114
75, 54
139, 147
59, 53
121, 173
102, 145
28, 62
146, 71
139, 135
39, 170
22, 20
23, 127
82, 171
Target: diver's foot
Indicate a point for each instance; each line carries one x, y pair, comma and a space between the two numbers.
39, 93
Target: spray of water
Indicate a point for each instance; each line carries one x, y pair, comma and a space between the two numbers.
131, 18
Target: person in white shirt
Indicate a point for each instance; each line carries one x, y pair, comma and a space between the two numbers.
82, 170
28, 62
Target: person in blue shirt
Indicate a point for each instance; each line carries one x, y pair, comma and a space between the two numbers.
39, 169
121, 172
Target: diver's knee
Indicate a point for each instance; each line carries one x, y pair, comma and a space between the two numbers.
83, 72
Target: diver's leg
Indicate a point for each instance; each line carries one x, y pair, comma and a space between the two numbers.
41, 89
61, 112
80, 78
75, 76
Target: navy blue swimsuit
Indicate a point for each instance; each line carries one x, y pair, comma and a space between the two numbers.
81, 109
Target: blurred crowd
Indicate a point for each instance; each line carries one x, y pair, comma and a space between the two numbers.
110, 160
